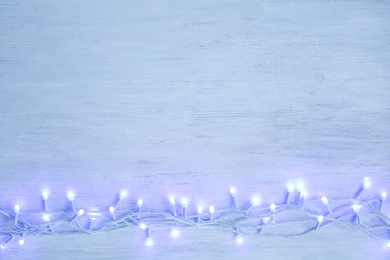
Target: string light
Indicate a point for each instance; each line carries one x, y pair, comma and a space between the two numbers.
366, 183
227, 219
45, 197
233, 194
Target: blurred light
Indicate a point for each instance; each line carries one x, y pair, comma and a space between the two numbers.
142, 225
139, 203
320, 218
356, 207
300, 186
175, 233
45, 194
80, 212
255, 201
184, 202
290, 187
46, 217
303, 194
325, 200
122, 195
211, 209
387, 244
17, 209
366, 183
272, 207
265, 220
71, 195
2, 246
200, 210
384, 195
233, 191
239, 239
112, 210
21, 241
172, 200
149, 241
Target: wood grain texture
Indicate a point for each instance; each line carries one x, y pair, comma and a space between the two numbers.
191, 97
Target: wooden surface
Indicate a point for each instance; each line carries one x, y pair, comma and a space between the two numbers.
190, 97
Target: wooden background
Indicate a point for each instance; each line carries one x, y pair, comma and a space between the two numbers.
191, 97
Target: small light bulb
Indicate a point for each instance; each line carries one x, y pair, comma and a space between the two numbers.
17, 209
142, 225
290, 187
139, 203
255, 201
239, 239
80, 212
356, 207
272, 207
21, 241
45, 194
175, 233
2, 246
71, 195
200, 210
387, 244
172, 200
303, 194
211, 209
46, 217
233, 191
122, 195
325, 200
384, 195
265, 220
149, 241
184, 202
300, 186
366, 183
320, 218
112, 210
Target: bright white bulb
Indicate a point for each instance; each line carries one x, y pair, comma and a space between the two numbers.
21, 241
320, 218
112, 210
200, 210
149, 241
122, 195
142, 225
172, 200
255, 201
387, 244
175, 233
272, 207
233, 191
17, 208
45, 194
324, 200
303, 194
2, 246
366, 183
290, 187
384, 195
139, 203
184, 202
356, 207
239, 239
46, 218
211, 209
80, 212
300, 186
265, 220
71, 195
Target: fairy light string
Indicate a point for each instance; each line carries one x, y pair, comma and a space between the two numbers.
274, 220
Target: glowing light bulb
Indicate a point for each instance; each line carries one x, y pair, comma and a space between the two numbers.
172, 200
255, 201
265, 220
142, 225
200, 210
320, 218
233, 191
300, 186
112, 210
384, 195
272, 207
325, 200
71, 195
21, 241
17, 209
366, 183
45, 194
80, 212
175, 233
387, 244
356, 207
184, 202
2, 246
211, 209
303, 194
290, 187
122, 195
139, 203
46, 217
149, 241
239, 239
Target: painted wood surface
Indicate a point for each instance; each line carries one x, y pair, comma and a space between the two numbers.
190, 97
